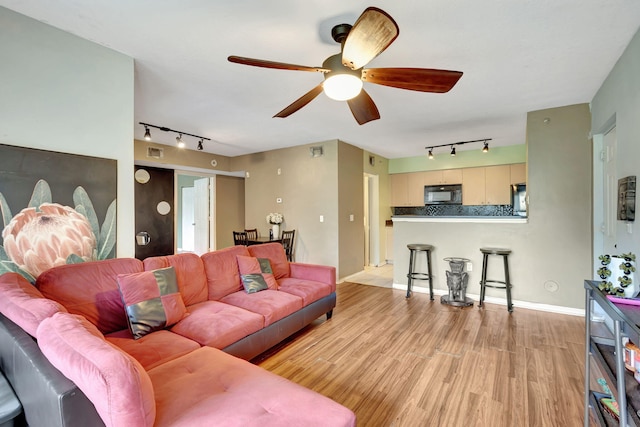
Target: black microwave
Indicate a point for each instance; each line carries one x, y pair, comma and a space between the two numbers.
443, 194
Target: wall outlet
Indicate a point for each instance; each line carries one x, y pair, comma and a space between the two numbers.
321, 218
469, 266
351, 218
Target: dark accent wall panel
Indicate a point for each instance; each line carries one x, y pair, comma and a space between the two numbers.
154, 205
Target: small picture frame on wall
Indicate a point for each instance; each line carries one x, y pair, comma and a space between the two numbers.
627, 198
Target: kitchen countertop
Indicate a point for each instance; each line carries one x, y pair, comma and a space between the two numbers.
473, 219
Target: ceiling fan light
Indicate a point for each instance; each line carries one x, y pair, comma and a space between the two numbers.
342, 87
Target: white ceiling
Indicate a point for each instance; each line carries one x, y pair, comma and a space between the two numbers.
516, 55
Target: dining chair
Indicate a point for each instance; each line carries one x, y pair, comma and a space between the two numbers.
252, 234
287, 243
240, 238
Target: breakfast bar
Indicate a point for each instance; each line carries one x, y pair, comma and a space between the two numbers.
462, 237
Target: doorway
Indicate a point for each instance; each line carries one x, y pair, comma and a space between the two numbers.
605, 193
371, 220
195, 216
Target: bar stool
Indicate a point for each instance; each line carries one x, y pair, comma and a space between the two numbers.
506, 282
414, 250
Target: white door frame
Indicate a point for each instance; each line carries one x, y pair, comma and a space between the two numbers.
372, 217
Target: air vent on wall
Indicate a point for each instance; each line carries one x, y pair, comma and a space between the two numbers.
156, 153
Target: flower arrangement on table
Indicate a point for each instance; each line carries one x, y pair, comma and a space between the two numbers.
275, 218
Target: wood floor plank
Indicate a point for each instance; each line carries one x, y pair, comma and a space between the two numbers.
415, 362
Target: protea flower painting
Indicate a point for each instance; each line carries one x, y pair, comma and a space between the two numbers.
47, 234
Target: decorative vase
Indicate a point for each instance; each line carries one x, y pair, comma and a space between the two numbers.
276, 230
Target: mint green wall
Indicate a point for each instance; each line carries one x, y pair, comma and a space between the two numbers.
61, 93
463, 159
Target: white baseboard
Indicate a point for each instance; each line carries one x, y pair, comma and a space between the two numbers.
502, 301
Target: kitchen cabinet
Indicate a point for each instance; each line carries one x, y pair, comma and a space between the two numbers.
498, 187
415, 189
398, 194
486, 186
407, 189
518, 173
473, 186
604, 353
441, 177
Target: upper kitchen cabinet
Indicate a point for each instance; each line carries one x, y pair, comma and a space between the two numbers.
473, 186
407, 189
486, 186
518, 173
398, 194
498, 186
449, 176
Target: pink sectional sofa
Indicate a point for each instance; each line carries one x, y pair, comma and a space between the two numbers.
164, 342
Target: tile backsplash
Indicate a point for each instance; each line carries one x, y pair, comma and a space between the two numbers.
456, 210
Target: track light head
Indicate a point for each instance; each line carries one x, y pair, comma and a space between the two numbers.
453, 151
431, 153
200, 147
179, 141
485, 149
147, 134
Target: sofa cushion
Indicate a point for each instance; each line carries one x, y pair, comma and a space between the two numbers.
256, 270
273, 305
152, 300
216, 324
91, 290
308, 290
274, 252
23, 304
208, 387
192, 280
221, 268
153, 349
116, 384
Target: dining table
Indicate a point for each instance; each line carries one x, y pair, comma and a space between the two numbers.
260, 240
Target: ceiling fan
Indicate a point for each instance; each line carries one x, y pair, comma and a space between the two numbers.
344, 74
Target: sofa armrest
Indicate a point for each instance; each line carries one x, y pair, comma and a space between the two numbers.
48, 398
319, 273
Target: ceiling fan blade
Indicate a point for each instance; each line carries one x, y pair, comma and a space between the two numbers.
300, 102
363, 108
420, 79
372, 33
273, 64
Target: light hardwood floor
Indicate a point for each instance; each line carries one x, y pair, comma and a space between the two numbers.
414, 362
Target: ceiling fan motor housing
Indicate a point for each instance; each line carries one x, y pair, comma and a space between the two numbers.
340, 32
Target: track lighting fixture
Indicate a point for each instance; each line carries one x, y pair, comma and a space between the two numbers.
179, 140
485, 148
